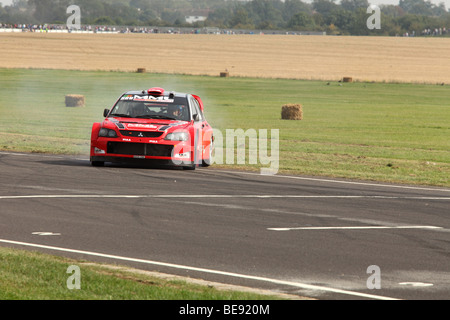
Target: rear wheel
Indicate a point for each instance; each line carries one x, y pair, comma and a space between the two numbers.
207, 162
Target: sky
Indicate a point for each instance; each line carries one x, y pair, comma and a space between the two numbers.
376, 2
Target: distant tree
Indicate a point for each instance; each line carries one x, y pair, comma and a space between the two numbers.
392, 11
220, 17
104, 21
265, 12
352, 5
416, 7
344, 19
48, 11
148, 15
325, 7
292, 7
417, 23
22, 4
389, 26
142, 5
301, 21
91, 10
240, 19
439, 10
358, 24
172, 16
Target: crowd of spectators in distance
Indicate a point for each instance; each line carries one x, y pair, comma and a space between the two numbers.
125, 29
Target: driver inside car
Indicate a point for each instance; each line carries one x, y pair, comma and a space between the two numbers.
176, 111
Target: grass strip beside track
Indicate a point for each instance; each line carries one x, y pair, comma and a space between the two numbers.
29, 275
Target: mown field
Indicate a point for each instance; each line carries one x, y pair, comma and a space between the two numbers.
371, 131
381, 59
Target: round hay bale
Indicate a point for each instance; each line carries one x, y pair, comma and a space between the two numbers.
74, 100
141, 70
347, 79
225, 74
292, 112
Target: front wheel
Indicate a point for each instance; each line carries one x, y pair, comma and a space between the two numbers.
97, 163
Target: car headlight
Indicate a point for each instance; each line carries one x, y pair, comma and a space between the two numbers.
177, 136
104, 132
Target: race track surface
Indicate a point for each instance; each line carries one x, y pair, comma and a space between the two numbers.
312, 237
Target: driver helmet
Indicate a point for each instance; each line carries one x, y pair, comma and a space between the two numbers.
176, 108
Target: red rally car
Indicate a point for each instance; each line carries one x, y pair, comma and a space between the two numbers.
153, 126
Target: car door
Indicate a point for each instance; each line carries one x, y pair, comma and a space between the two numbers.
197, 117
205, 144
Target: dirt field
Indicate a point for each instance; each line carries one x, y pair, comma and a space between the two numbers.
389, 59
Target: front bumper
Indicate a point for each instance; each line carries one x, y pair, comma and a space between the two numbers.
173, 154
141, 161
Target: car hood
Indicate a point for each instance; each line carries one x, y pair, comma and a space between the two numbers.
133, 124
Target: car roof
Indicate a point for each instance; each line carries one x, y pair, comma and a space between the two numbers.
166, 93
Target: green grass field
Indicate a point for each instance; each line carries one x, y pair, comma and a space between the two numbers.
372, 131
35, 276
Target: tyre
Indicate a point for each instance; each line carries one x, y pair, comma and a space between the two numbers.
97, 163
208, 162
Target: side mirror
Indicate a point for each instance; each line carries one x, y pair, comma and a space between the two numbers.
196, 117
105, 112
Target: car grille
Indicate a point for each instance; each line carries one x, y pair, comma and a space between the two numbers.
144, 134
140, 149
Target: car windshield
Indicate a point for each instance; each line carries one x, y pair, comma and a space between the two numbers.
144, 106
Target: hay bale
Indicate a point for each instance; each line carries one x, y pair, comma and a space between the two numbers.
347, 79
74, 100
292, 112
224, 74
141, 70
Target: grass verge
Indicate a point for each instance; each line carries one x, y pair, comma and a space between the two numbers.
29, 275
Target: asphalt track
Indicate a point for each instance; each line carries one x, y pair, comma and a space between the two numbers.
312, 237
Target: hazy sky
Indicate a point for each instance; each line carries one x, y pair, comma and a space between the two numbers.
377, 2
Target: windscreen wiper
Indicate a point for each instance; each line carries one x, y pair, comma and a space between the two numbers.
155, 116
120, 115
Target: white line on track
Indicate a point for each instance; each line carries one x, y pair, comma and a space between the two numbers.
333, 181
209, 171
210, 271
268, 196
354, 228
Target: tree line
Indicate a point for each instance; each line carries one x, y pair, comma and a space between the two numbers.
348, 17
